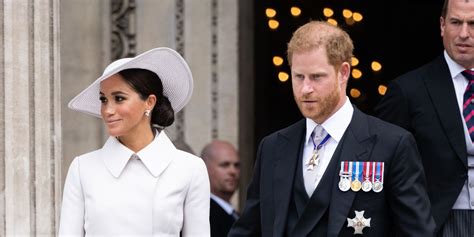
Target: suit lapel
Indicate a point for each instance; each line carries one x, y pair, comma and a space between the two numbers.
287, 155
356, 145
438, 82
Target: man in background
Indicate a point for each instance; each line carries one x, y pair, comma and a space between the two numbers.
223, 165
435, 102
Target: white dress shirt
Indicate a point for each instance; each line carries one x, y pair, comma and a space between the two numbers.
335, 126
158, 191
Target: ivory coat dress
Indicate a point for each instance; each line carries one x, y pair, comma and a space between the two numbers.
159, 191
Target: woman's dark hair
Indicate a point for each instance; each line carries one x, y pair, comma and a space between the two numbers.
147, 83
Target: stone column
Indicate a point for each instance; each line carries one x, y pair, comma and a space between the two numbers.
30, 118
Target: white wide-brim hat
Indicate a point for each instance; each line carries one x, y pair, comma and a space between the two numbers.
173, 71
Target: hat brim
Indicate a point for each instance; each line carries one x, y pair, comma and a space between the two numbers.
172, 69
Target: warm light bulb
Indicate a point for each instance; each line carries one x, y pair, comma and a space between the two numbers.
295, 11
347, 13
328, 12
357, 16
332, 22
354, 61
356, 73
277, 60
283, 76
376, 66
355, 93
270, 12
273, 24
382, 89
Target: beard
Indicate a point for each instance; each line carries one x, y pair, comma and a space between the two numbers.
323, 109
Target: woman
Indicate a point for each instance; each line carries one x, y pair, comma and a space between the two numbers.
138, 183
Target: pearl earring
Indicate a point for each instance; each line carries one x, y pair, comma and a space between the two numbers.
147, 113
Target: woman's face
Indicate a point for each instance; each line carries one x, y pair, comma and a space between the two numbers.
122, 109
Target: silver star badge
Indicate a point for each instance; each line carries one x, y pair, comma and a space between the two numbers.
358, 222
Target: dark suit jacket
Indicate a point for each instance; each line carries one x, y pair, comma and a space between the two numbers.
424, 102
220, 220
401, 208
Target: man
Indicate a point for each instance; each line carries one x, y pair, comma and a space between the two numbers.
223, 166
354, 175
430, 102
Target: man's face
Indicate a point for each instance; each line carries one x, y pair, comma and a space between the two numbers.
224, 171
457, 30
319, 90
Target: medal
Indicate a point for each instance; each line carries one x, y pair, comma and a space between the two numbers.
344, 184
359, 222
378, 186
356, 185
345, 176
314, 160
367, 184
378, 170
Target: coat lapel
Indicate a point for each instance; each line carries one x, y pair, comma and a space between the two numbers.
446, 106
356, 145
287, 155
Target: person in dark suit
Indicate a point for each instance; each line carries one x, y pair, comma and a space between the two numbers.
338, 172
430, 101
223, 165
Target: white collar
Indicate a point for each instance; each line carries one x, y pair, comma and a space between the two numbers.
156, 156
225, 205
454, 68
335, 125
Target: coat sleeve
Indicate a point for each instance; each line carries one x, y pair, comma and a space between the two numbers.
196, 204
393, 107
249, 222
408, 199
72, 210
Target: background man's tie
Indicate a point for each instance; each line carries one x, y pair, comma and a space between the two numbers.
468, 106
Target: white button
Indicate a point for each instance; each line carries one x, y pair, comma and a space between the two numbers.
471, 185
472, 203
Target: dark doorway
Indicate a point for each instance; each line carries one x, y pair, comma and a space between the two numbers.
400, 35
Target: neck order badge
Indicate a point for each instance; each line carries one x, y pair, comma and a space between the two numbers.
314, 161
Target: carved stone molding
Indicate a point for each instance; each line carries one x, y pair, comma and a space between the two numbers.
179, 38
214, 71
123, 29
